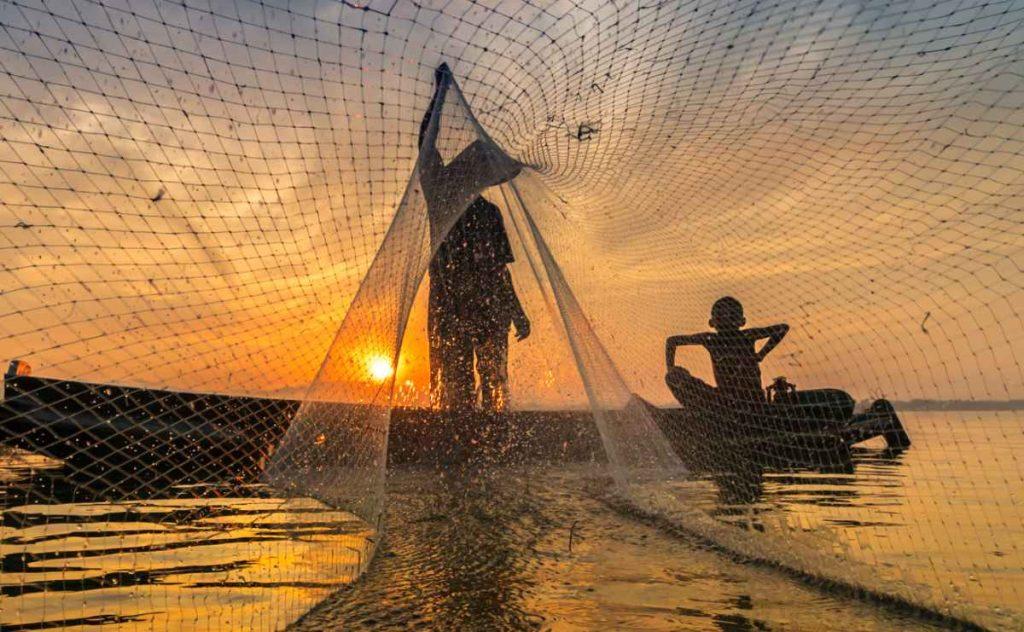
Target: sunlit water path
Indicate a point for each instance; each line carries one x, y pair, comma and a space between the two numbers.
495, 554
512, 548
242, 561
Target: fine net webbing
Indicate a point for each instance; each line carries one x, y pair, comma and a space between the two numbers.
217, 221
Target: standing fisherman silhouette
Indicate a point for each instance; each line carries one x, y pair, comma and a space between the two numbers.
472, 301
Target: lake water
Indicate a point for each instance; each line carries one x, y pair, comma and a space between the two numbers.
530, 548
941, 524
228, 559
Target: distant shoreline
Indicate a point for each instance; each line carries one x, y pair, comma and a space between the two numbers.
958, 404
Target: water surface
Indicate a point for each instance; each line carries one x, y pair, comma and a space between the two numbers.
207, 559
492, 553
525, 548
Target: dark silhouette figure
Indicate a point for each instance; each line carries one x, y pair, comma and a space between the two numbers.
735, 361
780, 410
472, 301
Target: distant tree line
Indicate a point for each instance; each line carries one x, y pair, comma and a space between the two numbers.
960, 404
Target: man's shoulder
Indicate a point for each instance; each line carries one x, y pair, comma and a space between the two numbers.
725, 338
706, 338
483, 205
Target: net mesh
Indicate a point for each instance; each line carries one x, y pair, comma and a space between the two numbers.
218, 219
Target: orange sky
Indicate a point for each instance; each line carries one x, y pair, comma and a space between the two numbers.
190, 199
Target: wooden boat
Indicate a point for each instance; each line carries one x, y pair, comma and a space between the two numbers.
129, 442
813, 428
134, 442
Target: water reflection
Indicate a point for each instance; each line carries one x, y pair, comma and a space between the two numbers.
459, 547
936, 524
201, 557
485, 547
482, 552
476, 551
747, 487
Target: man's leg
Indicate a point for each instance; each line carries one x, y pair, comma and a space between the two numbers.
689, 390
435, 341
715, 419
492, 365
457, 371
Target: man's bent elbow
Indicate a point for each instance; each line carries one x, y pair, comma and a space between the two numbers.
675, 375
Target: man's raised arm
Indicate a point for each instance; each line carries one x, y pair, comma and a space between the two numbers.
430, 158
678, 341
774, 334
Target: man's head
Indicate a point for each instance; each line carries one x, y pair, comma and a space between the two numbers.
727, 314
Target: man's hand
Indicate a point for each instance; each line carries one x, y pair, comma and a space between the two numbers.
437, 101
442, 80
441, 72
522, 329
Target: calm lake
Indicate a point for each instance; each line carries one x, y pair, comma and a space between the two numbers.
524, 548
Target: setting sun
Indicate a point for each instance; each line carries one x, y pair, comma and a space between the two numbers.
380, 368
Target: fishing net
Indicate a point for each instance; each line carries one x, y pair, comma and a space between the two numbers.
218, 221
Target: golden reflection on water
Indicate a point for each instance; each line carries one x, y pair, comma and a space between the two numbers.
172, 564
486, 549
938, 524
482, 552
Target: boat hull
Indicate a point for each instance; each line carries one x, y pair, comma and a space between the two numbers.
129, 442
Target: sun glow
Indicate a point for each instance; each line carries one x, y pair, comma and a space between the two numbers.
380, 368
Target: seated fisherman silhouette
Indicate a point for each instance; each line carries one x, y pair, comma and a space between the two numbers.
739, 400
734, 358
472, 302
